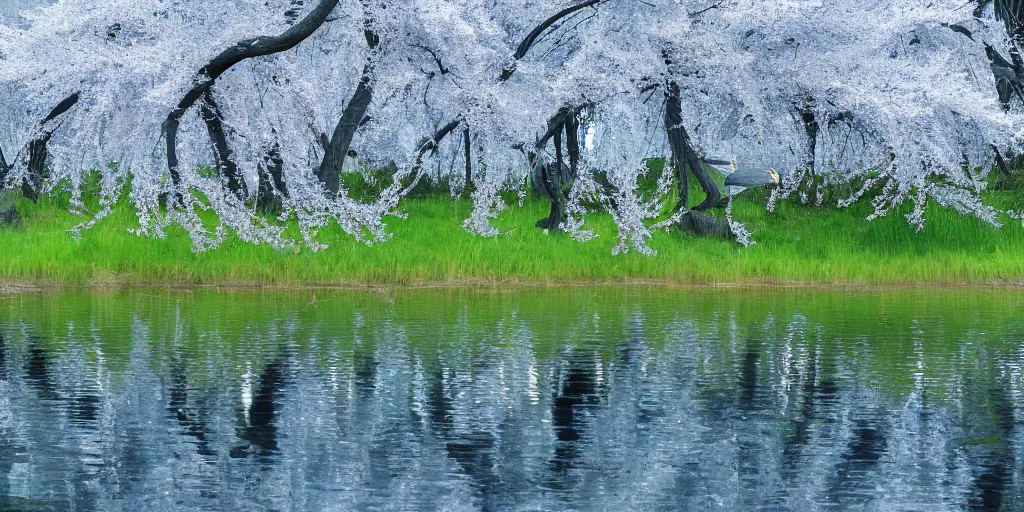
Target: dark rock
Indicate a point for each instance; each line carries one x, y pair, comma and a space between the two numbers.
702, 224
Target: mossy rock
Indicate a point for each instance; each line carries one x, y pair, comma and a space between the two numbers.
702, 224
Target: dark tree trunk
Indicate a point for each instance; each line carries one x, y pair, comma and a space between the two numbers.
811, 128
325, 143
677, 142
8, 200
467, 149
1007, 75
572, 145
271, 178
249, 48
684, 156
558, 145
330, 169
37, 157
8, 197
222, 153
1004, 169
549, 178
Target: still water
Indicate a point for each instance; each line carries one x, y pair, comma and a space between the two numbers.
538, 399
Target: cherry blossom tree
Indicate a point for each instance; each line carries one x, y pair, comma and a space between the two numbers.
573, 98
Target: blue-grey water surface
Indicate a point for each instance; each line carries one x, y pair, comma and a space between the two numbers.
536, 399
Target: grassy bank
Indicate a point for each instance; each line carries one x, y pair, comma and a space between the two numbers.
795, 245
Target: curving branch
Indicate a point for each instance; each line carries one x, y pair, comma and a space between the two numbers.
431, 144
218, 65
37, 150
61, 108
437, 59
531, 38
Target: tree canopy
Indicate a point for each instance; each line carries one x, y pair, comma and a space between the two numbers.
894, 99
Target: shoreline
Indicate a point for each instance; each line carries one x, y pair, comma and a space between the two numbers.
8, 286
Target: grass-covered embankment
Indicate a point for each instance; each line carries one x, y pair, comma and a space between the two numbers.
795, 245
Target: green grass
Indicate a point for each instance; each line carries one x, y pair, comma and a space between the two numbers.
795, 245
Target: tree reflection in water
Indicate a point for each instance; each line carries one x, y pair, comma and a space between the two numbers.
509, 402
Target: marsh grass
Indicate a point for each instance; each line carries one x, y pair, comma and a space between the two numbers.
796, 244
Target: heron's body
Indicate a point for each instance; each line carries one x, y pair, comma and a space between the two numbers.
737, 180
753, 178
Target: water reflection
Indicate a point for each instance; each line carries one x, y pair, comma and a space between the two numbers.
257, 425
190, 418
631, 399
